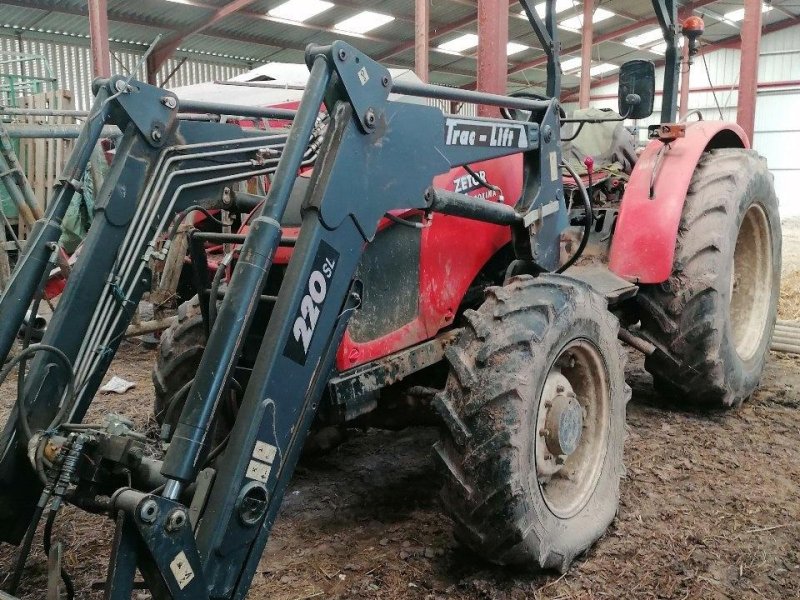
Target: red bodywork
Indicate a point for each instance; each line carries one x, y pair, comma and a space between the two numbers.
453, 251
643, 246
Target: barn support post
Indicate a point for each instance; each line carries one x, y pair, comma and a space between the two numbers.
748, 67
492, 50
422, 15
586, 54
98, 38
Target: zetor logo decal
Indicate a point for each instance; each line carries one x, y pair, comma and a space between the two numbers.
308, 312
462, 132
467, 183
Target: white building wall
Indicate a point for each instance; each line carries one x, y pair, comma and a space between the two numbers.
72, 67
777, 128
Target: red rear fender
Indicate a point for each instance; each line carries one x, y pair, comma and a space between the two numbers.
643, 247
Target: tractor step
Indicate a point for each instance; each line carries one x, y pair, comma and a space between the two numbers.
613, 287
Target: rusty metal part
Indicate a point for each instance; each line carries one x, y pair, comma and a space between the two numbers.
352, 392
636, 342
667, 132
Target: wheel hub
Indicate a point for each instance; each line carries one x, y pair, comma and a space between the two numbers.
560, 425
564, 422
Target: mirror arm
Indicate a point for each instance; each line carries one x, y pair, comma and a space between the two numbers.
667, 15
547, 33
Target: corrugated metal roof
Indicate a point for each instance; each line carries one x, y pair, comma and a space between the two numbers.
251, 36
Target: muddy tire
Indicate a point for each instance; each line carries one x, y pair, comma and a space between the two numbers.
713, 318
528, 480
179, 352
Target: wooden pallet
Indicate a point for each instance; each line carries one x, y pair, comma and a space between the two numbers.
43, 159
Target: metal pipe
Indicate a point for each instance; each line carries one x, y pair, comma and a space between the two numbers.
189, 442
438, 92
667, 14
43, 112
683, 105
82, 114
7, 150
14, 192
259, 112
272, 85
153, 194
236, 238
461, 205
65, 132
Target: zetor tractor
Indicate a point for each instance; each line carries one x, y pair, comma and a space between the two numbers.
421, 241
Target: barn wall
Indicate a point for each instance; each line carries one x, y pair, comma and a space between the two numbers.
72, 66
777, 128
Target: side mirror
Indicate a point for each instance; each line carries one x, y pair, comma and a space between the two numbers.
637, 89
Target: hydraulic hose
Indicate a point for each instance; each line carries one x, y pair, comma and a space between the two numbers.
23, 410
588, 220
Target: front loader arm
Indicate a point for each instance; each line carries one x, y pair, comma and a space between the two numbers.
377, 155
149, 182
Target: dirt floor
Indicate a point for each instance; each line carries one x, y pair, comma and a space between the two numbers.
709, 506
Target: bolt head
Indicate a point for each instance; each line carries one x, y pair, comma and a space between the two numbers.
175, 520
385, 81
155, 135
120, 85
342, 54
148, 511
169, 102
369, 118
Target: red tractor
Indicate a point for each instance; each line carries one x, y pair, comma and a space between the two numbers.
481, 266
683, 245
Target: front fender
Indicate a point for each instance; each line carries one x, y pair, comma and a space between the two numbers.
643, 246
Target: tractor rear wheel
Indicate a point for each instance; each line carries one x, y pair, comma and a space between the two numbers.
713, 318
534, 414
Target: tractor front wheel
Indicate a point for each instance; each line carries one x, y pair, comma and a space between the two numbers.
712, 320
534, 414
